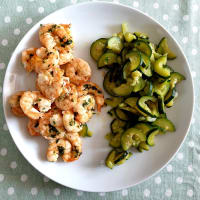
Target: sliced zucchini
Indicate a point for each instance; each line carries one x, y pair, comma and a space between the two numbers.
126, 107
122, 90
143, 47
120, 114
123, 54
148, 89
151, 135
84, 131
129, 37
161, 89
164, 49
113, 102
107, 59
161, 105
148, 105
165, 124
117, 126
135, 59
97, 48
107, 84
116, 140
108, 136
127, 70
170, 95
139, 85
146, 119
172, 98
111, 112
110, 159
132, 136
143, 146
160, 67
122, 157
176, 78
90, 133
115, 44
141, 35
144, 127
124, 27
147, 71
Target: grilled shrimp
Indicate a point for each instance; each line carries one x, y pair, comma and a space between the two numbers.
59, 147
29, 99
28, 56
70, 122
78, 71
33, 127
45, 59
75, 140
93, 89
51, 82
51, 125
58, 36
84, 108
14, 102
68, 98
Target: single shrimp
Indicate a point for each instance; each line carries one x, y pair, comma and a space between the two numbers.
14, 102
68, 98
45, 59
33, 127
58, 36
70, 122
51, 125
93, 89
29, 99
59, 147
76, 142
28, 59
51, 82
78, 71
84, 108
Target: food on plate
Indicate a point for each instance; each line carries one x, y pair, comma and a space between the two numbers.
65, 99
141, 85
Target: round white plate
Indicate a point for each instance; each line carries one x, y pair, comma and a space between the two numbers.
91, 21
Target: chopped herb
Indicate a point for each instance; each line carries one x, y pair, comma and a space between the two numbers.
75, 114
31, 55
49, 53
54, 26
71, 123
51, 73
36, 124
85, 103
41, 25
99, 91
94, 88
39, 99
61, 150
62, 45
89, 100
54, 122
53, 135
57, 140
53, 129
68, 42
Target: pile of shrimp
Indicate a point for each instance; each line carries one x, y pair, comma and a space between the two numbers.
64, 99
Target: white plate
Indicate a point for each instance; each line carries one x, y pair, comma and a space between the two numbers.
91, 21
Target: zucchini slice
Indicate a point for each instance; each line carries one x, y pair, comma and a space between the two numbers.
170, 95
135, 59
151, 135
127, 70
97, 48
122, 157
107, 59
148, 105
110, 159
122, 90
117, 126
139, 85
164, 49
143, 146
129, 37
120, 114
143, 47
165, 124
116, 140
161, 89
107, 84
148, 89
160, 67
113, 102
144, 127
115, 44
111, 112
84, 131
130, 137
176, 78
161, 105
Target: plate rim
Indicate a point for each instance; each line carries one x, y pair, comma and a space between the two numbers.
184, 57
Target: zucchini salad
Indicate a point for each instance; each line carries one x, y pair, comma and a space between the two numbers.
141, 85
